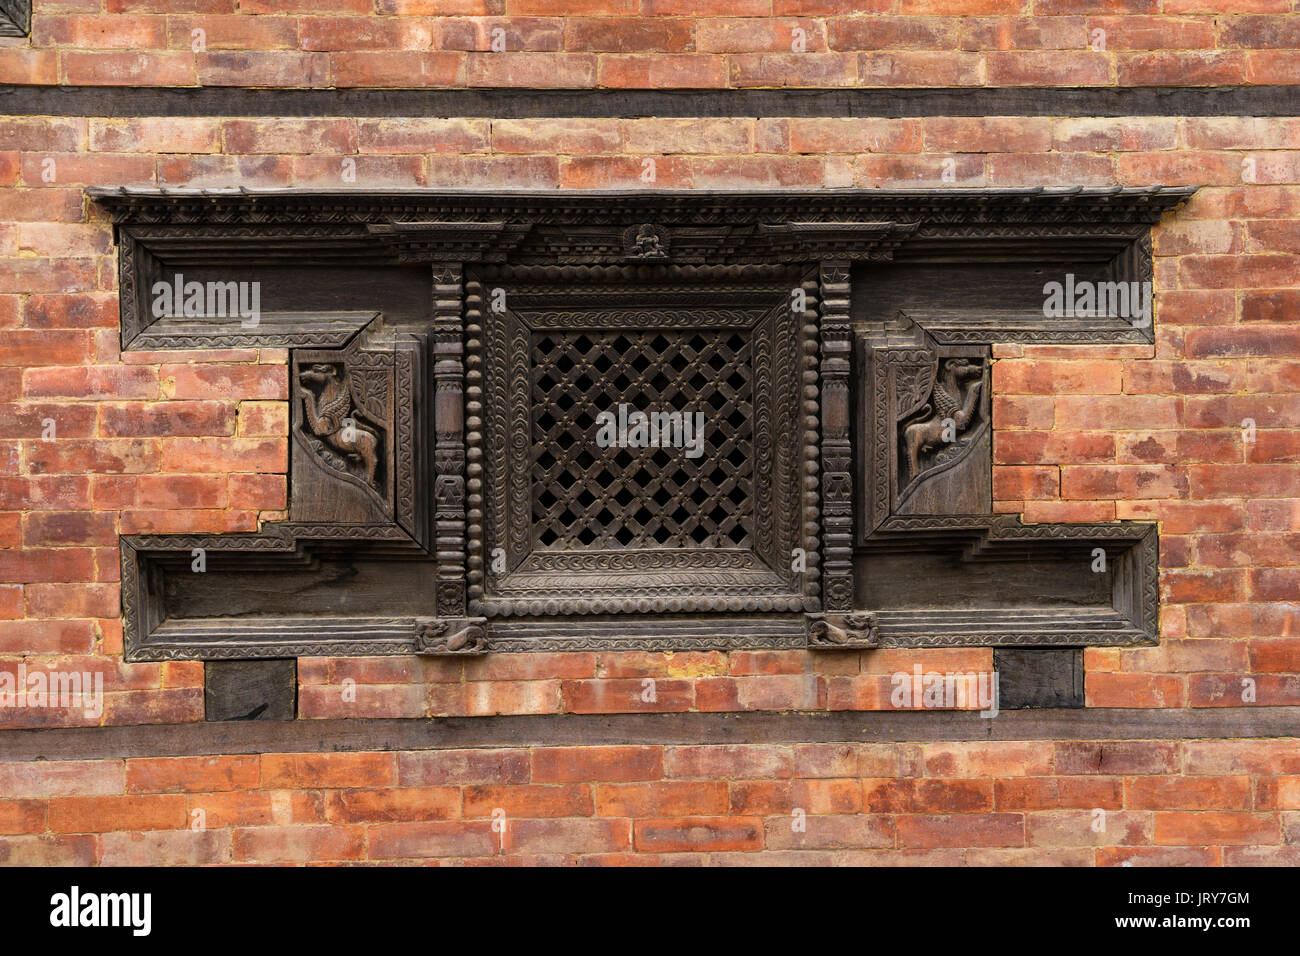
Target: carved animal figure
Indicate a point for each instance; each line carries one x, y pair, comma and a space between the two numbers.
948, 401
327, 406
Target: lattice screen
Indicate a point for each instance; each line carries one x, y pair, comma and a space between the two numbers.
588, 497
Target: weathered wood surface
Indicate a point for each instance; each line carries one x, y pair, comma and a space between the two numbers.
319, 736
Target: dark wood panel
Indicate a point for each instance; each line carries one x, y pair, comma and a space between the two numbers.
454, 733
1275, 100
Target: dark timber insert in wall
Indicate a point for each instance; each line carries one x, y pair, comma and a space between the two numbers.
452, 354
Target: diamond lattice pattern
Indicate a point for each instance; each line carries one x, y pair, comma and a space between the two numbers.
590, 498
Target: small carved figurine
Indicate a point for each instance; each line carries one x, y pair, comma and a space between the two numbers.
853, 630
948, 403
648, 244
442, 638
328, 413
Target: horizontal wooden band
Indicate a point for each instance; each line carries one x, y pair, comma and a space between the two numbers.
356, 735
522, 103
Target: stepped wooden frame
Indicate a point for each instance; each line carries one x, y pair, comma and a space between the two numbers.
450, 353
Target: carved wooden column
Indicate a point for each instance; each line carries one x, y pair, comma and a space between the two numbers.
836, 447
449, 440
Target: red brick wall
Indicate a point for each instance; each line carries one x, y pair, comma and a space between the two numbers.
657, 43
174, 442
1076, 803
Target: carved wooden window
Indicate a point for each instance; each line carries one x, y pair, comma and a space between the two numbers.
454, 357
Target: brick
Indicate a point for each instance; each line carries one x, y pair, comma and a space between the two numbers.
463, 767
1183, 68
277, 68
328, 770
1271, 66
521, 697
699, 834
1088, 828
990, 759
519, 34
661, 799
223, 454
104, 814
398, 68
520, 172
289, 136
854, 136
363, 33
424, 135
48, 851
224, 381
1224, 132
95, 383
927, 170
1279, 656
779, 70
1048, 68
852, 832
189, 774
730, 762
1115, 757
1187, 793
599, 172
423, 840
516, 801
127, 69
918, 68
892, 33
298, 844
167, 848
1017, 482
627, 696
657, 34
1215, 828
47, 133
137, 419
567, 836
53, 529
988, 135
1255, 480
961, 830
571, 136
583, 764
532, 70
392, 805
234, 32
1024, 33
1058, 793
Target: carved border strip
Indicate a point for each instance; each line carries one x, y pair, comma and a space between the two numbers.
449, 440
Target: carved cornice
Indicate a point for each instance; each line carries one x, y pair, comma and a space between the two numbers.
855, 207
